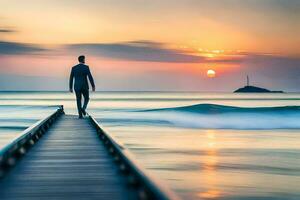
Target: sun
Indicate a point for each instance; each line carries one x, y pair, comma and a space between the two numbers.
211, 73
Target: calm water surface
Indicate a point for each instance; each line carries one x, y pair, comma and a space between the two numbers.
203, 145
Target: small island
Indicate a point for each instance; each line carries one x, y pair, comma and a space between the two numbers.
253, 89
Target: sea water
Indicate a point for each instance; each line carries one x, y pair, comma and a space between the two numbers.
203, 145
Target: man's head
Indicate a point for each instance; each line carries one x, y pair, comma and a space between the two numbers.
81, 59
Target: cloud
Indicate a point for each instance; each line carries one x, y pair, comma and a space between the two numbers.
148, 43
7, 30
142, 51
12, 48
147, 51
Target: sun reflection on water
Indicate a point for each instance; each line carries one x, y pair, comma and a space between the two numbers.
210, 161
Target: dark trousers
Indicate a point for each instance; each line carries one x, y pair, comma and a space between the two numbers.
79, 94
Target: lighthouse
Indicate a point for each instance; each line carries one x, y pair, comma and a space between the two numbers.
248, 80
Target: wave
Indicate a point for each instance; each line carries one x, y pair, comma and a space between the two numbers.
218, 109
9, 106
18, 117
212, 116
20, 127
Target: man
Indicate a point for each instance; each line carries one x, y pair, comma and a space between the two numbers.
80, 73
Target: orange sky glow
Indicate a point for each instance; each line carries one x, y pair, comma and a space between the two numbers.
184, 38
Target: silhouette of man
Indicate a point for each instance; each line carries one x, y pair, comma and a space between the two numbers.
80, 73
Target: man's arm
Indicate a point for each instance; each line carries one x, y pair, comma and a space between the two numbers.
91, 79
71, 81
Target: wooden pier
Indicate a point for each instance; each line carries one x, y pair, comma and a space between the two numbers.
62, 157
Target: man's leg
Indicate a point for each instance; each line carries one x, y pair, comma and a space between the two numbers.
78, 100
86, 97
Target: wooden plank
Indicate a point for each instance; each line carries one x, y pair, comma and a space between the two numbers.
69, 162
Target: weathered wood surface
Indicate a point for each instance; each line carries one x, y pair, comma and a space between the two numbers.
69, 162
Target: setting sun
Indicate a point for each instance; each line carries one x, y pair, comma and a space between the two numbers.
211, 73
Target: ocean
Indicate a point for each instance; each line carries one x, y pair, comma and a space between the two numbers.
203, 145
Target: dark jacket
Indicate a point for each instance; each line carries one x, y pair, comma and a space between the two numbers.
80, 73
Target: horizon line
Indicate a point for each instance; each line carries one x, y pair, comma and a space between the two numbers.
170, 91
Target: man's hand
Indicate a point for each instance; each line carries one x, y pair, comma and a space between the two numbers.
94, 89
71, 90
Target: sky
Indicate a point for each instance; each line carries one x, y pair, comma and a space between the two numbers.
151, 45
